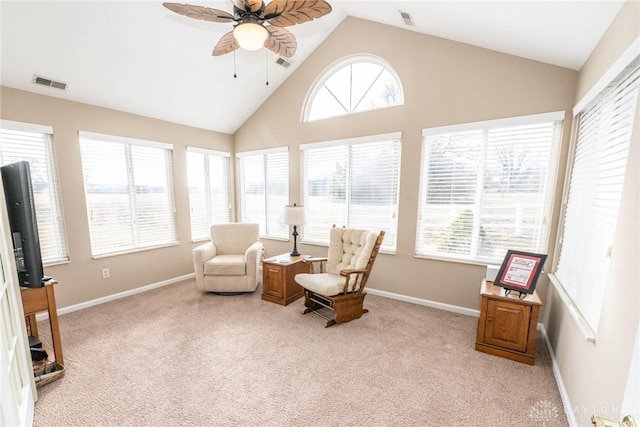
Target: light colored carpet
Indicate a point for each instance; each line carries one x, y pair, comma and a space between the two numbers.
176, 356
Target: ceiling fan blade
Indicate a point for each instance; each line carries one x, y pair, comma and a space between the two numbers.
254, 5
283, 13
226, 44
281, 41
239, 4
248, 5
199, 12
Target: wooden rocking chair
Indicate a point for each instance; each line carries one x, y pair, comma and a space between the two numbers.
339, 285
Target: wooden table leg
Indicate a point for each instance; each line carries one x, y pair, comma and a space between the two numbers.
53, 322
33, 325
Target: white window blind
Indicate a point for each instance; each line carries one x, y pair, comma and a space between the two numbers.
488, 187
32, 143
352, 183
129, 193
264, 190
595, 189
209, 190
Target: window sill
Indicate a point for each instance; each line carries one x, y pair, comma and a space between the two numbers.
56, 263
582, 324
136, 250
279, 239
458, 260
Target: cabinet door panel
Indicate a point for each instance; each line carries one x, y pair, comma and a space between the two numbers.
507, 325
273, 277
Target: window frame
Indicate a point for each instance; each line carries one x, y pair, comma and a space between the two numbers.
351, 142
320, 81
171, 239
269, 222
503, 123
55, 197
608, 82
205, 158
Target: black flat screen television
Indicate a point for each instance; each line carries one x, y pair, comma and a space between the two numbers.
18, 193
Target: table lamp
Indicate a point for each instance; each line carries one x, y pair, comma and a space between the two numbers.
294, 215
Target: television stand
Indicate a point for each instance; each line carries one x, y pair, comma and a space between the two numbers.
35, 300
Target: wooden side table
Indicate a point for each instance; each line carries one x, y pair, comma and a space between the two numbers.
507, 324
278, 283
35, 300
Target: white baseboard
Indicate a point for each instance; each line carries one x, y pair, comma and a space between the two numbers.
102, 300
425, 302
571, 418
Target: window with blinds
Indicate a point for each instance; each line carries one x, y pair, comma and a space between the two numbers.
595, 188
352, 183
33, 143
263, 178
129, 193
209, 190
488, 187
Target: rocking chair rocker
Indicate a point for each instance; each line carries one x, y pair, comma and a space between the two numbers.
339, 286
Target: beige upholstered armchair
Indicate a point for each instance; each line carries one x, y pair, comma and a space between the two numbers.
339, 285
230, 261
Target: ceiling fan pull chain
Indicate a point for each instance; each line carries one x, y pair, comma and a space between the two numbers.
235, 76
266, 64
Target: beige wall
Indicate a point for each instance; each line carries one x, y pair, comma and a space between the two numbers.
595, 375
80, 280
445, 83
624, 29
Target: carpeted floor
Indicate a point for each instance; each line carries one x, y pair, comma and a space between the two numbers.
176, 356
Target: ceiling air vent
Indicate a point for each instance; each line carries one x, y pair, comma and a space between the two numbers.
406, 18
39, 80
283, 62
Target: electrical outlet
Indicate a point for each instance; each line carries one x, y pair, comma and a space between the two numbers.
105, 273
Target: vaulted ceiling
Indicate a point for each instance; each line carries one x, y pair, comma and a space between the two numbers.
138, 57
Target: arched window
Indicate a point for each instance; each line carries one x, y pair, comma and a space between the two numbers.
357, 84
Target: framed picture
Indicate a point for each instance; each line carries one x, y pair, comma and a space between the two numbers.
519, 271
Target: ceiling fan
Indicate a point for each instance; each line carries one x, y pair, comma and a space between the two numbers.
249, 19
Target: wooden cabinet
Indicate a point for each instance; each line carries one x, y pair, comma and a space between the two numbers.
278, 284
35, 300
507, 324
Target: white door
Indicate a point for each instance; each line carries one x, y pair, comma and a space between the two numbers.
17, 385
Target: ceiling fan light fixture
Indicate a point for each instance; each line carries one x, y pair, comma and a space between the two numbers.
250, 35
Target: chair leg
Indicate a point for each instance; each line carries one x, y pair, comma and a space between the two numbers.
349, 307
309, 304
345, 307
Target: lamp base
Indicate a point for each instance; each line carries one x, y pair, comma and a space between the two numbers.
295, 252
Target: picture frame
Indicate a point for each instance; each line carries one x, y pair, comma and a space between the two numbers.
519, 271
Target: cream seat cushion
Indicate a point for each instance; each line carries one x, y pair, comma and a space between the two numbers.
226, 265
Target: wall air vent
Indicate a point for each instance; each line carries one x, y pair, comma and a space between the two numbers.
39, 80
283, 62
406, 18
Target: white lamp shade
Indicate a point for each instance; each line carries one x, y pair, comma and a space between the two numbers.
250, 36
294, 215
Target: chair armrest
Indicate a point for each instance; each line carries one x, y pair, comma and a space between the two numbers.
312, 260
204, 252
201, 254
347, 273
253, 256
255, 248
